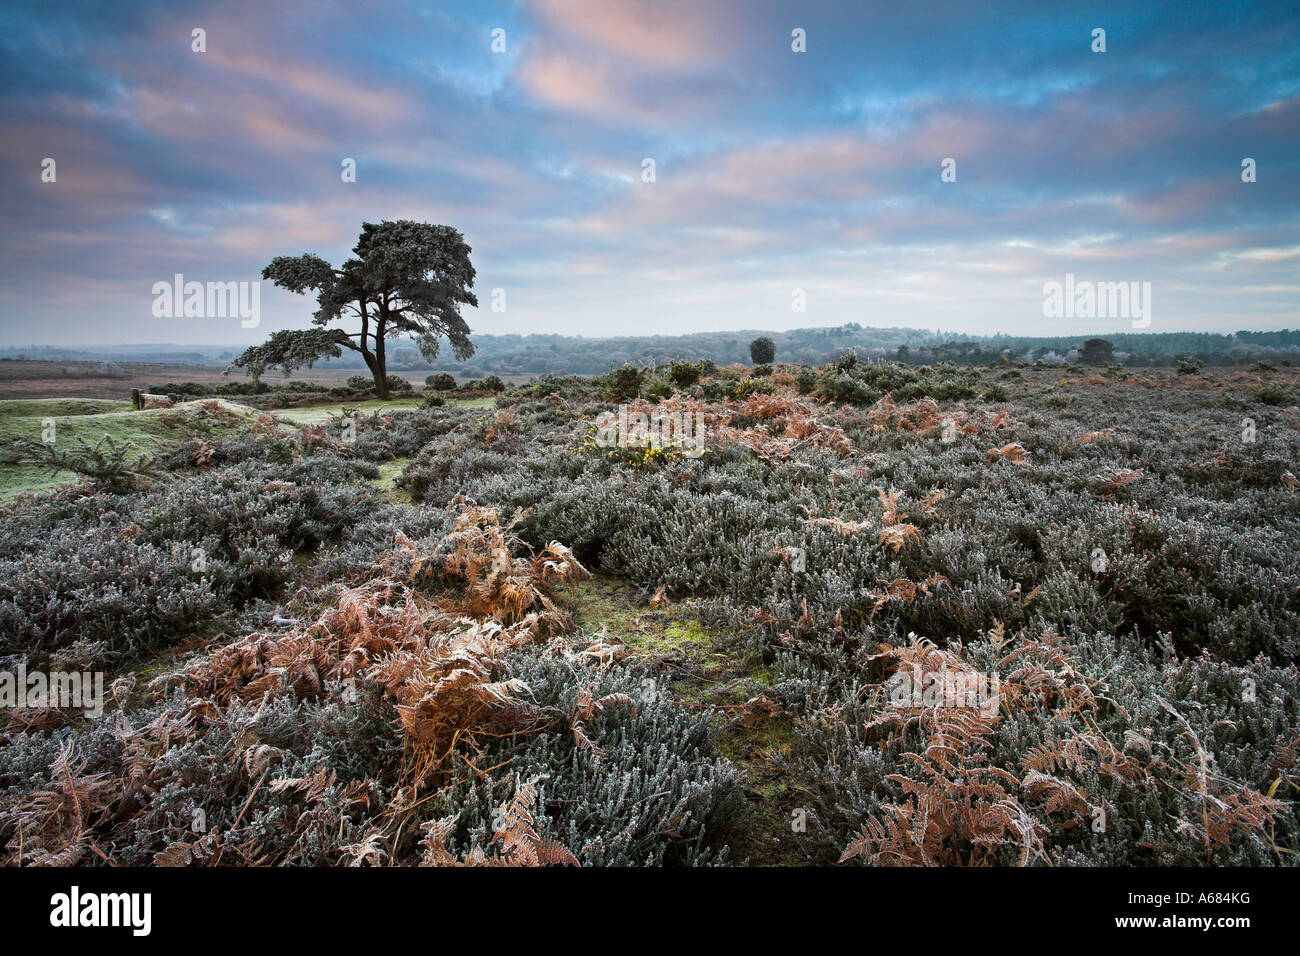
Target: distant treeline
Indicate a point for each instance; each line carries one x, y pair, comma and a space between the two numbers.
578, 355
560, 354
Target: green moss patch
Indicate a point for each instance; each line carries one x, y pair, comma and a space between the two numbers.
385, 481
705, 669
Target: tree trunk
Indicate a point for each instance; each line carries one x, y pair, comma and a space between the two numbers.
381, 364
381, 374
376, 365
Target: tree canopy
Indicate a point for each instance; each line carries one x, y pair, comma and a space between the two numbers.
407, 279
1097, 352
762, 350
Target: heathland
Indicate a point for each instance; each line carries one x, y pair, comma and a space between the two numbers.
928, 615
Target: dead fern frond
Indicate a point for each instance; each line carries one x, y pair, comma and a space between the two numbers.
1012, 452
957, 807
904, 591
889, 501
899, 536
585, 709
846, 528
1115, 478
371, 851
56, 822
185, 853
516, 843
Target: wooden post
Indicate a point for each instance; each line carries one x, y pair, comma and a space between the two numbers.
136, 400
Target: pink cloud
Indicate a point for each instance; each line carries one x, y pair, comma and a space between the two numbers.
679, 35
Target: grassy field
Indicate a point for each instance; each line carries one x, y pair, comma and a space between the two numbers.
41, 379
94, 419
317, 414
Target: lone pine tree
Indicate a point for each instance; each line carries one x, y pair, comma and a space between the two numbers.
408, 278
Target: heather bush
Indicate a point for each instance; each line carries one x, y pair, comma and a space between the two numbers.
654, 794
136, 572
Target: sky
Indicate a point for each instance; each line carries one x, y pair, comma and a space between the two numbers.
781, 177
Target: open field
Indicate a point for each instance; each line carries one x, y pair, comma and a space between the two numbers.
40, 379
316, 414
1052, 614
95, 419
147, 431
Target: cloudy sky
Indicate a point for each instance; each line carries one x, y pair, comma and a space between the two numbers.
775, 170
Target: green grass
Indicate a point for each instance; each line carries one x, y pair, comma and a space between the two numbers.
319, 414
92, 419
58, 407
485, 401
389, 472
702, 664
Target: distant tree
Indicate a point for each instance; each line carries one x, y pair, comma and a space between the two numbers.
1097, 352
762, 350
408, 278
441, 382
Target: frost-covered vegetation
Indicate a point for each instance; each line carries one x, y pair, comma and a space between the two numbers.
468, 634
